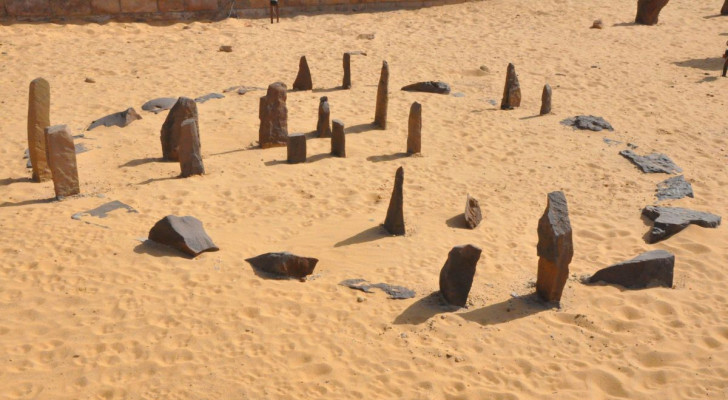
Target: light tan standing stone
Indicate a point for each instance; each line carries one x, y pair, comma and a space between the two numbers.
61, 156
38, 119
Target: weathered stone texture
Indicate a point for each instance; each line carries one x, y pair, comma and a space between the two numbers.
189, 151
456, 276
183, 109
338, 139
273, 116
394, 223
414, 129
555, 248
380, 114
61, 155
39, 102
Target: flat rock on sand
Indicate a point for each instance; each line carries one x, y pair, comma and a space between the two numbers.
674, 188
120, 119
284, 264
159, 104
209, 96
588, 122
671, 220
428, 87
394, 291
651, 268
652, 163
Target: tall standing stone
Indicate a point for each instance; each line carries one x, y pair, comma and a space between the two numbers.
512, 91
190, 154
346, 83
61, 156
380, 114
273, 116
39, 104
555, 248
414, 129
338, 139
323, 127
648, 11
185, 108
303, 79
297, 149
456, 276
546, 100
394, 223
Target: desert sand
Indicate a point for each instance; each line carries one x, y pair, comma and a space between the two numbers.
88, 311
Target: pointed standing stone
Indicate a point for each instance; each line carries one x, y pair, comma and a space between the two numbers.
190, 154
61, 156
414, 129
296, 149
323, 128
394, 223
185, 108
338, 140
648, 11
724, 10
546, 100
39, 103
555, 248
456, 276
273, 116
512, 91
303, 79
380, 114
346, 84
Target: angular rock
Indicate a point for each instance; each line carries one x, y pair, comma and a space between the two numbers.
555, 248
473, 215
323, 127
588, 122
724, 9
303, 79
380, 114
61, 156
648, 11
159, 104
414, 129
512, 91
284, 264
273, 116
209, 96
226, 49
598, 24
120, 119
39, 119
394, 291
296, 149
671, 220
185, 234
652, 163
346, 82
185, 108
456, 276
394, 223
338, 140
190, 154
674, 188
428, 87
546, 100
651, 268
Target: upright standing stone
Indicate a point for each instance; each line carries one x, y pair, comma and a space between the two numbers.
190, 154
303, 79
185, 108
456, 276
724, 9
296, 149
380, 114
512, 90
555, 248
346, 84
648, 11
473, 215
414, 129
61, 156
546, 100
394, 223
323, 127
39, 104
273, 116
338, 140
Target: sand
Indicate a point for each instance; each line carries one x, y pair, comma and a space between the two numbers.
87, 311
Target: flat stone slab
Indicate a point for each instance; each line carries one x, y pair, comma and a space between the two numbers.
242, 89
652, 163
159, 104
185, 234
103, 210
648, 269
209, 96
284, 264
588, 122
393, 291
671, 220
120, 119
674, 188
428, 87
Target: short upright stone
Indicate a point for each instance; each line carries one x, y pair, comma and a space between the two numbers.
394, 223
648, 11
303, 79
338, 140
555, 248
512, 91
273, 116
346, 83
473, 215
190, 154
323, 127
185, 108
297, 149
39, 119
61, 156
414, 129
380, 114
456, 276
546, 100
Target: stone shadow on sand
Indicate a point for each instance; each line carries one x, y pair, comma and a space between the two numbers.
706, 64
329, 90
423, 309
367, 235
10, 181
27, 202
140, 161
388, 157
369, 126
458, 221
509, 310
158, 250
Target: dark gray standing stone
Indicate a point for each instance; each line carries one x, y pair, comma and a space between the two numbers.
648, 11
724, 9
456, 276
190, 154
671, 220
652, 163
588, 122
512, 91
428, 87
546, 100
394, 223
303, 79
414, 129
120, 119
323, 127
473, 215
555, 248
346, 83
61, 157
39, 118
284, 264
380, 114
651, 268
338, 140
185, 234
159, 104
185, 108
674, 188
296, 149
273, 116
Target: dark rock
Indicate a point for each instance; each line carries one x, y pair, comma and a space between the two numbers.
284, 264
185, 234
650, 268
648, 11
338, 140
598, 24
346, 82
190, 154
61, 156
473, 216
394, 223
588, 122
394, 291
724, 9
209, 96
323, 127
39, 118
296, 149
120, 119
226, 49
428, 87
555, 248
303, 79
652, 163
546, 100
380, 114
89, 80
414, 129
674, 188
273, 116
456, 276
185, 108
512, 91
671, 220
160, 104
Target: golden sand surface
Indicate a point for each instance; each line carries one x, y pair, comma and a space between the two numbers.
87, 311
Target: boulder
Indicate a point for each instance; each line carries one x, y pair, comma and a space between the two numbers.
273, 116
61, 156
185, 234
346, 82
456, 276
338, 140
588, 122
650, 268
555, 248
428, 87
380, 114
648, 11
394, 223
39, 119
652, 163
323, 127
512, 91
296, 149
284, 264
671, 220
674, 188
185, 108
120, 119
190, 154
473, 215
414, 129
546, 100
303, 79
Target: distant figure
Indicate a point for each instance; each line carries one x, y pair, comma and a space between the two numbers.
274, 6
725, 63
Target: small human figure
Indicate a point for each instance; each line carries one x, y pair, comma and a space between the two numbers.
725, 64
274, 6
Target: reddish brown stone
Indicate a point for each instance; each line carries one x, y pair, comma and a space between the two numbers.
648, 11
546, 100
414, 129
105, 6
338, 139
190, 153
555, 248
473, 215
138, 6
2, 9
456, 276
273, 116
303, 79
394, 223
38, 119
185, 234
380, 114
183, 109
346, 84
201, 5
28, 8
296, 149
71, 7
171, 5
323, 127
61, 155
512, 91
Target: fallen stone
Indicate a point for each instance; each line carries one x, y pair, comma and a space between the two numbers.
226, 49
185, 108
61, 156
648, 11
208, 96
380, 113
414, 129
188, 150
38, 120
668, 221
284, 264
393, 291
611, 142
185, 234
103, 210
160, 104
555, 248
394, 223
473, 215
90, 80
296, 149
428, 87
546, 100
303, 79
338, 139
598, 24
120, 119
456, 276
652, 163
242, 89
273, 115
367, 36
588, 122
512, 91
323, 126
674, 188
346, 82
651, 268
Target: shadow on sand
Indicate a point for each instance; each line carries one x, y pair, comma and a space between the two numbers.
27, 202
388, 157
458, 222
423, 309
509, 310
140, 161
706, 64
159, 250
10, 181
368, 235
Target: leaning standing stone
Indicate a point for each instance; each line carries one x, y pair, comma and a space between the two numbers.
512, 90
39, 119
338, 140
473, 215
394, 223
346, 84
296, 149
555, 248
648, 11
546, 100
190, 154
303, 79
323, 128
61, 156
185, 108
414, 129
273, 116
380, 114
456, 276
